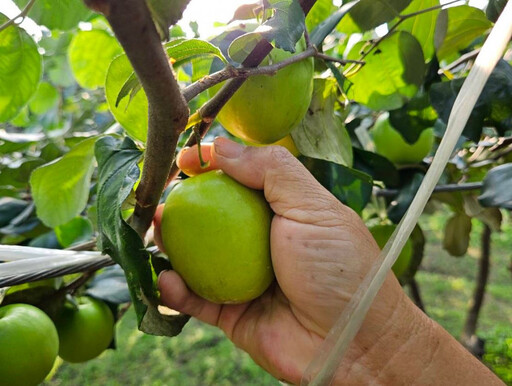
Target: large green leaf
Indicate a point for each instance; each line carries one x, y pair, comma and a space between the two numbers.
414, 117
283, 29
20, 70
77, 230
368, 14
324, 28
493, 107
90, 54
377, 166
457, 27
422, 26
494, 9
401, 203
46, 98
57, 14
392, 74
118, 173
132, 112
497, 188
61, 188
320, 11
321, 134
350, 186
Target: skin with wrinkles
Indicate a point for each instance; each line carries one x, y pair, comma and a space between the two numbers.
321, 251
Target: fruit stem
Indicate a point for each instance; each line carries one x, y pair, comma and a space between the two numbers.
202, 162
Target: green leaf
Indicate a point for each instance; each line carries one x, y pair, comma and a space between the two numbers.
10, 208
497, 187
350, 186
321, 134
182, 50
377, 166
11, 142
320, 11
110, 286
368, 14
325, 27
493, 107
132, 113
20, 70
166, 13
401, 203
118, 173
414, 117
57, 14
61, 188
463, 25
46, 98
283, 29
121, 82
457, 232
90, 54
77, 230
422, 26
392, 74
494, 9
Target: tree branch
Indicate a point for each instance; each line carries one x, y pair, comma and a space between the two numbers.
438, 189
22, 14
167, 112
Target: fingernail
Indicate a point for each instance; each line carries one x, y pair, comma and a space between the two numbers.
227, 148
160, 276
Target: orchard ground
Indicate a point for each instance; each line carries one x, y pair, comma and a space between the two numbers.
201, 355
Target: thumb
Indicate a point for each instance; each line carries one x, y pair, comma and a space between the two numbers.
290, 189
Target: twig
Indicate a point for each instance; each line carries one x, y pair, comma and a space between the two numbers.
438, 189
337, 60
168, 112
87, 246
75, 284
464, 58
22, 14
231, 72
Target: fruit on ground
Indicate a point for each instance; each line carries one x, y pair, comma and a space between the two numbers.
381, 234
267, 108
216, 233
85, 330
28, 345
390, 143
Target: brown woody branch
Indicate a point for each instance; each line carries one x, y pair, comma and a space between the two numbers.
168, 111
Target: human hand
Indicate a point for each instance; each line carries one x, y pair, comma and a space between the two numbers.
321, 250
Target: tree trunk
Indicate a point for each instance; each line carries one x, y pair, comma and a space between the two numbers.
469, 339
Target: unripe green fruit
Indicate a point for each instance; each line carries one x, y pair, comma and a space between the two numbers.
390, 143
84, 332
266, 108
28, 345
216, 233
381, 234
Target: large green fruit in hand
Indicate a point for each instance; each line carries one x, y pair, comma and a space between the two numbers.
84, 331
216, 233
390, 143
267, 108
381, 234
28, 345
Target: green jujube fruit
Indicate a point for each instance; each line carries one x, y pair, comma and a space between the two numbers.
216, 233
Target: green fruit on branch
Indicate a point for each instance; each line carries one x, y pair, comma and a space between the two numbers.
266, 108
216, 233
381, 234
85, 329
390, 143
457, 232
28, 345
